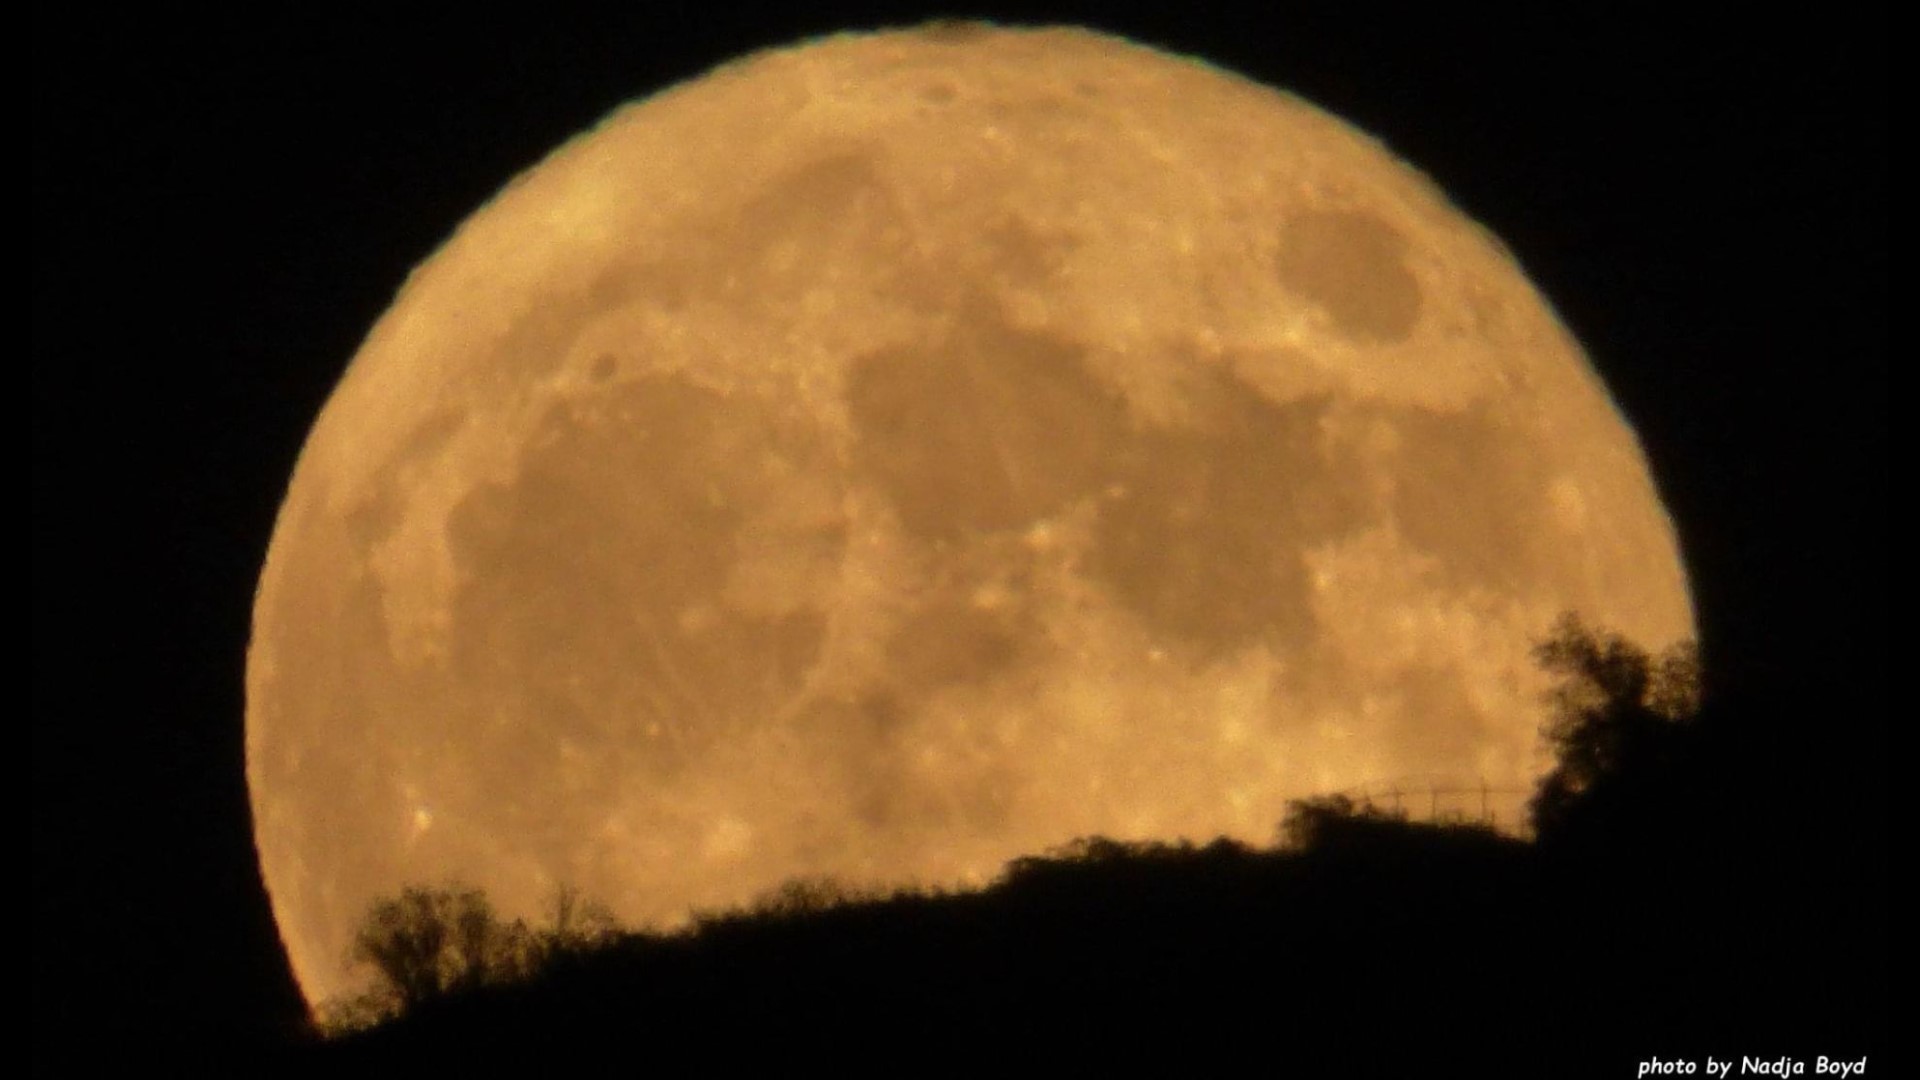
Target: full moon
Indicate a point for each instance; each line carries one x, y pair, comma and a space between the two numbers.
885, 457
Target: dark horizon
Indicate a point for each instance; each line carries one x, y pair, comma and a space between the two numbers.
1466, 943
223, 209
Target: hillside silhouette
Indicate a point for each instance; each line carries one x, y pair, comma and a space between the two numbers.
1653, 914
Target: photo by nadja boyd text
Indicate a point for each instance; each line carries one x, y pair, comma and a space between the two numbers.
1748, 1065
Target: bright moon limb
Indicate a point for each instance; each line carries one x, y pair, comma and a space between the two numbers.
889, 456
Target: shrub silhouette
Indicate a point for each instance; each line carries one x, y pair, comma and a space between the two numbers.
1325, 819
430, 944
576, 925
803, 895
1618, 711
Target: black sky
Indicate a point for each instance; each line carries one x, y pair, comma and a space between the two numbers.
223, 206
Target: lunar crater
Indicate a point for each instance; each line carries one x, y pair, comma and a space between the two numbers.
1352, 266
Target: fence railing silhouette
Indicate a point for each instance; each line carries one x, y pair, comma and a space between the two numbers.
1444, 800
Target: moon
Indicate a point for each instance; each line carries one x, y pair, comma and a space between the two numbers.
888, 456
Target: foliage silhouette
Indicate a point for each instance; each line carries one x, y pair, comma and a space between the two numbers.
1327, 819
428, 945
802, 895
575, 924
1617, 711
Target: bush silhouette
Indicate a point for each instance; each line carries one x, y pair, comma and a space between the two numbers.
1619, 711
1317, 822
430, 944
577, 925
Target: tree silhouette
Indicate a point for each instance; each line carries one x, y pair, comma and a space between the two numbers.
1618, 710
430, 943
576, 925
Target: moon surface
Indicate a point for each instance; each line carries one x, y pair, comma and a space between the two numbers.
892, 455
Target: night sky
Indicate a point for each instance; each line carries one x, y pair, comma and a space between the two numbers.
223, 207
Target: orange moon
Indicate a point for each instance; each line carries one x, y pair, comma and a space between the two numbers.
888, 456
